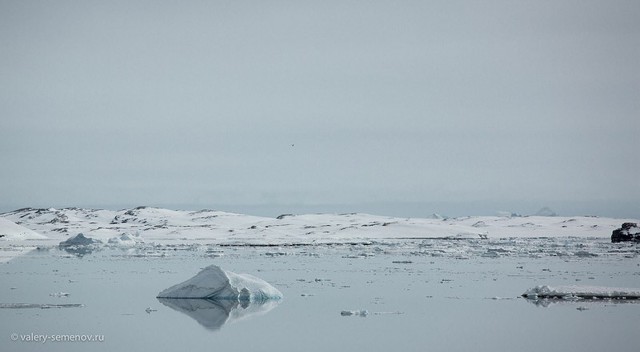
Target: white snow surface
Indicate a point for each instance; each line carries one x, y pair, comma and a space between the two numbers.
215, 284
584, 292
154, 225
10, 231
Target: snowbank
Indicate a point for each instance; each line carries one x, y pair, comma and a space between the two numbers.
10, 231
581, 292
213, 283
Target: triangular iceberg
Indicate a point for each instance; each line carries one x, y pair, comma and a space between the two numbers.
214, 297
215, 284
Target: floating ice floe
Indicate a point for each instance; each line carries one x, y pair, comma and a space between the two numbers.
39, 305
214, 297
581, 292
359, 313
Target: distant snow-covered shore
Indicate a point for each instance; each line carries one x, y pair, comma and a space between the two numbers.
146, 224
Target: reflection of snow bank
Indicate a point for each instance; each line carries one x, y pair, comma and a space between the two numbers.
216, 284
581, 292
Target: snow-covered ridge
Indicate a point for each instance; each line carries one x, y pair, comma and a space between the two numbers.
146, 224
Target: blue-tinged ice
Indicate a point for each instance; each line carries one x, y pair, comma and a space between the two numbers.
215, 284
215, 297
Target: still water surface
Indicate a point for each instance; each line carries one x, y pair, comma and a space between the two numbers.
415, 301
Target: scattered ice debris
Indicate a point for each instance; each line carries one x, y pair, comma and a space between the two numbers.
216, 284
60, 294
275, 254
585, 254
359, 313
359, 255
490, 254
125, 240
388, 313
581, 292
39, 305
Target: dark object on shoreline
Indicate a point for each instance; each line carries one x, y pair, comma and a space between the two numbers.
628, 232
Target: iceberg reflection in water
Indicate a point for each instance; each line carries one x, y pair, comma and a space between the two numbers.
214, 314
214, 297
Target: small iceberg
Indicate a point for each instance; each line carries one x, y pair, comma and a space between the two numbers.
79, 245
214, 297
581, 293
78, 240
216, 284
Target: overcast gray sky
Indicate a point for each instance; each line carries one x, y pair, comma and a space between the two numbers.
392, 107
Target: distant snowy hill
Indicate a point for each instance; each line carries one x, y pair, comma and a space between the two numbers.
146, 224
10, 231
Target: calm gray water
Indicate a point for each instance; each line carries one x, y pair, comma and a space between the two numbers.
429, 295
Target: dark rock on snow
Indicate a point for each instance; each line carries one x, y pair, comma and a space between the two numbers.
628, 232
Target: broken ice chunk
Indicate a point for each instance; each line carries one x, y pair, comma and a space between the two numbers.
581, 292
359, 313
